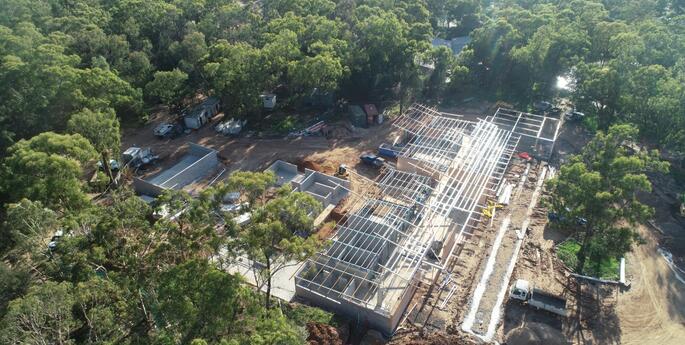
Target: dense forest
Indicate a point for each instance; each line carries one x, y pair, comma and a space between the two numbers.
73, 72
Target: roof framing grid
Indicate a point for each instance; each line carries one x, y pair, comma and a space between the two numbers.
380, 229
526, 124
394, 220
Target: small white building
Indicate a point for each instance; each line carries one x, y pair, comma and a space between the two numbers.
269, 100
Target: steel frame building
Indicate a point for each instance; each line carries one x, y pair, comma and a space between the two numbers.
404, 227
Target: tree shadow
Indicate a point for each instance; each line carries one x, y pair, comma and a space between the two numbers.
554, 233
526, 325
594, 318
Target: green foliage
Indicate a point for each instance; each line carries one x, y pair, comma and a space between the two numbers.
275, 329
279, 232
236, 73
48, 168
103, 308
42, 84
301, 314
43, 315
323, 71
607, 268
622, 54
199, 301
251, 184
168, 86
13, 284
591, 123
567, 251
444, 63
286, 124
99, 183
101, 128
27, 227
600, 185
121, 276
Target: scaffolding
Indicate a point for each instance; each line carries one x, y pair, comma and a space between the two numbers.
412, 216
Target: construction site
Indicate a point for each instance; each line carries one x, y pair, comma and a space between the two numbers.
424, 245
405, 230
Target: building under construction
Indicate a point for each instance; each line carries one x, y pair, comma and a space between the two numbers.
406, 226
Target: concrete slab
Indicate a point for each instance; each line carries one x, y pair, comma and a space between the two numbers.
282, 284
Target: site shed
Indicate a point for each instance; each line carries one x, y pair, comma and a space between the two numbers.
201, 113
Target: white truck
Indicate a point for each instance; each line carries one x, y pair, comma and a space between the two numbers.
523, 290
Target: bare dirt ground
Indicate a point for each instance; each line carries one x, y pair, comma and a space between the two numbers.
257, 154
652, 311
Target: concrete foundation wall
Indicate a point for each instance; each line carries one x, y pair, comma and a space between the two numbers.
325, 188
194, 166
146, 188
359, 315
284, 171
193, 172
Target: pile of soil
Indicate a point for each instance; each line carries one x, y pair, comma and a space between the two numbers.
326, 231
338, 212
323, 334
308, 164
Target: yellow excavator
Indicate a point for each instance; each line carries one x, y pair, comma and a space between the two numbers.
342, 172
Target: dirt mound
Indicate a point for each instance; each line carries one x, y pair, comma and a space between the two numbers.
326, 231
338, 212
322, 334
308, 164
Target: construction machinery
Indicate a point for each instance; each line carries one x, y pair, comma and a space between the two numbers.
574, 116
490, 210
523, 290
388, 151
342, 172
137, 157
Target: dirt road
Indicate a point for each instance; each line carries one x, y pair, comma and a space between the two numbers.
653, 310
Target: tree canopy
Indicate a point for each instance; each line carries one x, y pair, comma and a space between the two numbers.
596, 193
114, 269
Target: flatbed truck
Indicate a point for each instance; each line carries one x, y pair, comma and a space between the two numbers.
524, 291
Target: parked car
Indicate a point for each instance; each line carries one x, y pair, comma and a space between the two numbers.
231, 127
574, 116
523, 290
558, 218
168, 130
113, 165
542, 106
372, 160
555, 112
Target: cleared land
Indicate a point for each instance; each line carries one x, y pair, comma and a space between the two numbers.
651, 311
